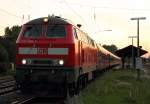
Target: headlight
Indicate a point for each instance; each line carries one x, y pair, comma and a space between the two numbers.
24, 61
45, 20
61, 62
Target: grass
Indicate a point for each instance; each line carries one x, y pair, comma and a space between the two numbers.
117, 87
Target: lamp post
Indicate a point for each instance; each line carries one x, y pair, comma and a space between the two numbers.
138, 48
138, 19
132, 37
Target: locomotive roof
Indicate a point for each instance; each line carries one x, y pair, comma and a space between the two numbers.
51, 20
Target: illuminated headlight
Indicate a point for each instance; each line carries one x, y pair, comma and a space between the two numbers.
61, 62
24, 61
45, 20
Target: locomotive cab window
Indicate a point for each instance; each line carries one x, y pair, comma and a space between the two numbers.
56, 31
32, 31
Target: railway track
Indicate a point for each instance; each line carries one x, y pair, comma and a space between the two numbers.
44, 100
25, 100
9, 92
34, 100
7, 85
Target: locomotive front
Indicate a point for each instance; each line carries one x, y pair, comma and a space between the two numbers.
45, 56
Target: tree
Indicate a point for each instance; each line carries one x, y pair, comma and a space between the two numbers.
8, 41
3, 59
7, 31
12, 32
3, 54
112, 48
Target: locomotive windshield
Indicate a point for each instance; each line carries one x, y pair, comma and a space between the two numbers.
51, 31
33, 31
56, 31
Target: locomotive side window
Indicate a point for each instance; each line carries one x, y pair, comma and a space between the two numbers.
32, 31
75, 33
79, 34
84, 37
56, 31
92, 42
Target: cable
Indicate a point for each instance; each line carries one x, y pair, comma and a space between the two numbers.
86, 5
10, 13
74, 11
23, 3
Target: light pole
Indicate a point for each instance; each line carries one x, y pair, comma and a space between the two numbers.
138, 48
132, 50
132, 38
138, 19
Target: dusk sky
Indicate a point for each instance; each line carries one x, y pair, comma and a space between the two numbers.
96, 16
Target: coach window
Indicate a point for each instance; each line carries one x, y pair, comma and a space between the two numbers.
75, 34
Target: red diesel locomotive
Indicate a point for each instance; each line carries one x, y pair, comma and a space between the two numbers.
54, 57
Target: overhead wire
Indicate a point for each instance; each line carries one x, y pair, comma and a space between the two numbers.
115, 8
27, 6
14, 15
74, 11
23, 3
20, 18
11, 14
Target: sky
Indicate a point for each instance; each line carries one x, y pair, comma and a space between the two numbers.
96, 16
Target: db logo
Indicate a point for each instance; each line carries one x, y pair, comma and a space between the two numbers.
42, 51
